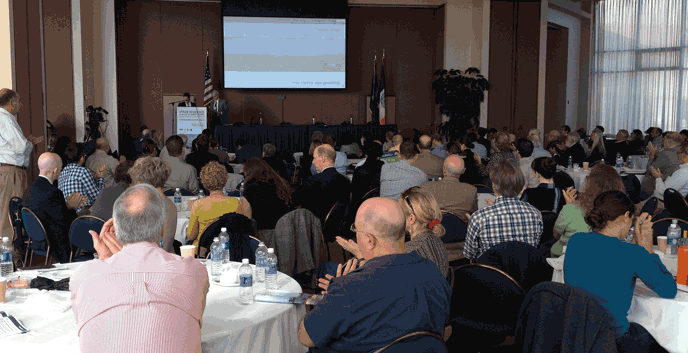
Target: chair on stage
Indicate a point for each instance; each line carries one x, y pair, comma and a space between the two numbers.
80, 238
37, 235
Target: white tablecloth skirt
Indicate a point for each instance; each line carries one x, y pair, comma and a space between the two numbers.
228, 326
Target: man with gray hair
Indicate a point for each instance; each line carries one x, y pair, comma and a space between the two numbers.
219, 109
426, 161
101, 158
138, 297
182, 174
452, 195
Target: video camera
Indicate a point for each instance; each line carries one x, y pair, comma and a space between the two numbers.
95, 117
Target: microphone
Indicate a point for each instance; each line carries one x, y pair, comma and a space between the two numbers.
251, 122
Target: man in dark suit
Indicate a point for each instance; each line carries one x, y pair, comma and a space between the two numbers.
202, 156
187, 101
244, 151
321, 191
49, 204
219, 109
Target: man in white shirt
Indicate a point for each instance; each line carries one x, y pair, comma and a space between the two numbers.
182, 175
15, 151
677, 181
101, 158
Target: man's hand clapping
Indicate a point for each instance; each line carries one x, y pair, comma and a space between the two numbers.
341, 271
106, 243
76, 200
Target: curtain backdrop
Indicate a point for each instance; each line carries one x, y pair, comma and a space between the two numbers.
639, 71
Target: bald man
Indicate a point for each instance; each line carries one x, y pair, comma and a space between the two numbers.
394, 293
452, 195
321, 191
426, 161
101, 158
49, 204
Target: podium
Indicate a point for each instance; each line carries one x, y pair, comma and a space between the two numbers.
190, 120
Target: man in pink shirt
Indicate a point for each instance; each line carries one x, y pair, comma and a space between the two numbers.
138, 297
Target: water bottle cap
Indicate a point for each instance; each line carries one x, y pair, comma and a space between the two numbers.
5, 239
244, 261
216, 239
223, 229
271, 250
674, 222
176, 189
261, 243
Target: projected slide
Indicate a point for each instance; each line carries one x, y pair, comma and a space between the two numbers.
261, 52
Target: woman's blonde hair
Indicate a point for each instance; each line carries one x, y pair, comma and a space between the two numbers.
534, 137
597, 141
424, 206
214, 176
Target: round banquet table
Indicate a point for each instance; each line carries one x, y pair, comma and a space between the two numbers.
228, 326
663, 318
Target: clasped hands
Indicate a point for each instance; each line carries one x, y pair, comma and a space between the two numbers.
75, 200
106, 243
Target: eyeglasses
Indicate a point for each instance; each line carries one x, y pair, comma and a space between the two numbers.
406, 197
354, 230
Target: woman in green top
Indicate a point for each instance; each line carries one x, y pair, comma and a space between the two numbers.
602, 178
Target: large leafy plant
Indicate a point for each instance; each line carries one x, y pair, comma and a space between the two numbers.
459, 95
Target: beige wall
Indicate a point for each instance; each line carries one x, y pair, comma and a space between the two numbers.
6, 45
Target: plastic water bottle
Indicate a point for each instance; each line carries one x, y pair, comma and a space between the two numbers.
672, 238
178, 199
619, 160
570, 162
271, 270
261, 261
245, 283
216, 258
224, 243
241, 189
629, 236
6, 263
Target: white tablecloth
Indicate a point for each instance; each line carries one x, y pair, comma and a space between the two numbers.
665, 319
228, 326
579, 176
482, 199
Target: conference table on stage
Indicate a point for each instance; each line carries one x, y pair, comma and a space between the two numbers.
294, 137
664, 318
228, 326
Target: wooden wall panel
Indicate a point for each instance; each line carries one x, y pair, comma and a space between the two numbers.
59, 70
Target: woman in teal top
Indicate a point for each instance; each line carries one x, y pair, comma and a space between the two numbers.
605, 267
602, 178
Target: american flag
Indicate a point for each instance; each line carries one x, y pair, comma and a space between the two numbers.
208, 92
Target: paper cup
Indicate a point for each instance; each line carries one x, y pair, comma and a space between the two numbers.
188, 250
3, 289
229, 277
662, 243
586, 165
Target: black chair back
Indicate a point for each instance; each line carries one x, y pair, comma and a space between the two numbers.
485, 306
523, 262
555, 315
676, 204
632, 185
563, 181
370, 194
80, 237
171, 191
483, 189
37, 234
456, 228
239, 229
423, 341
337, 222
549, 218
650, 206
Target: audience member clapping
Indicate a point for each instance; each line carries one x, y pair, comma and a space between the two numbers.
603, 266
137, 297
602, 178
74, 178
678, 180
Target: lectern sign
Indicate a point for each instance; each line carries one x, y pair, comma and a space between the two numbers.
191, 120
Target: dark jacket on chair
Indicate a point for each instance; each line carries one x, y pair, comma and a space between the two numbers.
559, 318
48, 202
321, 191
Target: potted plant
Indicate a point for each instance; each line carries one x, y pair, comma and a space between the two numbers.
459, 95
